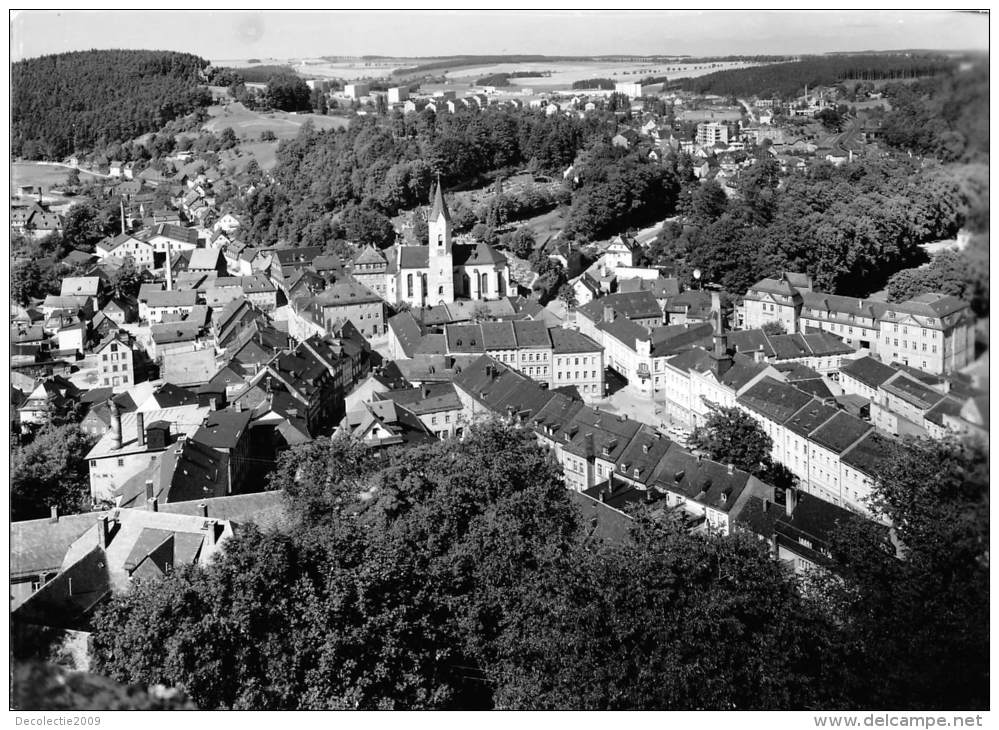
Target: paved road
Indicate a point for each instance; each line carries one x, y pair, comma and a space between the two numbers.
749, 110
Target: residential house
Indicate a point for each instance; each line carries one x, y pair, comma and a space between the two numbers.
115, 361
134, 441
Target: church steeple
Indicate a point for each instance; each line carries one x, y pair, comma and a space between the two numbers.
439, 207
440, 262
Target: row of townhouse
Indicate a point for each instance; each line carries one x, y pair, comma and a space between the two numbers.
605, 455
558, 358
816, 441
905, 401
612, 464
933, 331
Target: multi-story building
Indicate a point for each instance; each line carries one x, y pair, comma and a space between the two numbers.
774, 300
134, 442
577, 361
710, 133
115, 361
933, 332
349, 300
436, 405
855, 321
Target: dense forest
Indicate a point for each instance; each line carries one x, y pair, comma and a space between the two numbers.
459, 574
787, 80
387, 167
850, 227
72, 102
946, 116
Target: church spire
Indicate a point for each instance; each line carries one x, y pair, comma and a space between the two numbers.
439, 207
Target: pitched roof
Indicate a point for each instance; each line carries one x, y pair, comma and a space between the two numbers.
812, 415
633, 305
345, 292
840, 432
86, 286
776, 400
407, 331
176, 298
205, 258
869, 454
498, 336
414, 257
531, 333
570, 341
464, 338
428, 398
223, 429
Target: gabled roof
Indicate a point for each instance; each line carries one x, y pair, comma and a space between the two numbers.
414, 257
428, 398
205, 258
775, 400
407, 331
670, 339
912, 391
369, 255
633, 305
223, 429
531, 333
86, 286
498, 336
868, 371
812, 415
566, 341
869, 454
182, 298
840, 432
464, 338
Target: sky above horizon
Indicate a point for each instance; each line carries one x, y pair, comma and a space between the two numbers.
236, 35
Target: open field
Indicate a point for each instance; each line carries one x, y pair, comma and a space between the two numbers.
40, 174
250, 124
563, 74
265, 153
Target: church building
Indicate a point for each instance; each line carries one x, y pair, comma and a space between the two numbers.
436, 273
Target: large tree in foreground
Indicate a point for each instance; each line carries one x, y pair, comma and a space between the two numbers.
732, 436
915, 625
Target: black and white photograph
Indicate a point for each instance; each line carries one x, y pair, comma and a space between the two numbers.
519, 360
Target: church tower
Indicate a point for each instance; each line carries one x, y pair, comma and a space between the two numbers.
440, 278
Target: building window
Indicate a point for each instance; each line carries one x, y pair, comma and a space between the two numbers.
121, 462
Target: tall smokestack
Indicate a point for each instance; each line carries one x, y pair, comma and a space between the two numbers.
169, 268
121, 204
115, 426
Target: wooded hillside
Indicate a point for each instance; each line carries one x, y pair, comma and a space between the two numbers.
71, 102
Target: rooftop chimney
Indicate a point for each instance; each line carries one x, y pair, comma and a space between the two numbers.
790, 500
103, 532
153, 505
115, 426
608, 314
140, 429
203, 508
54, 514
731, 469
149, 489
